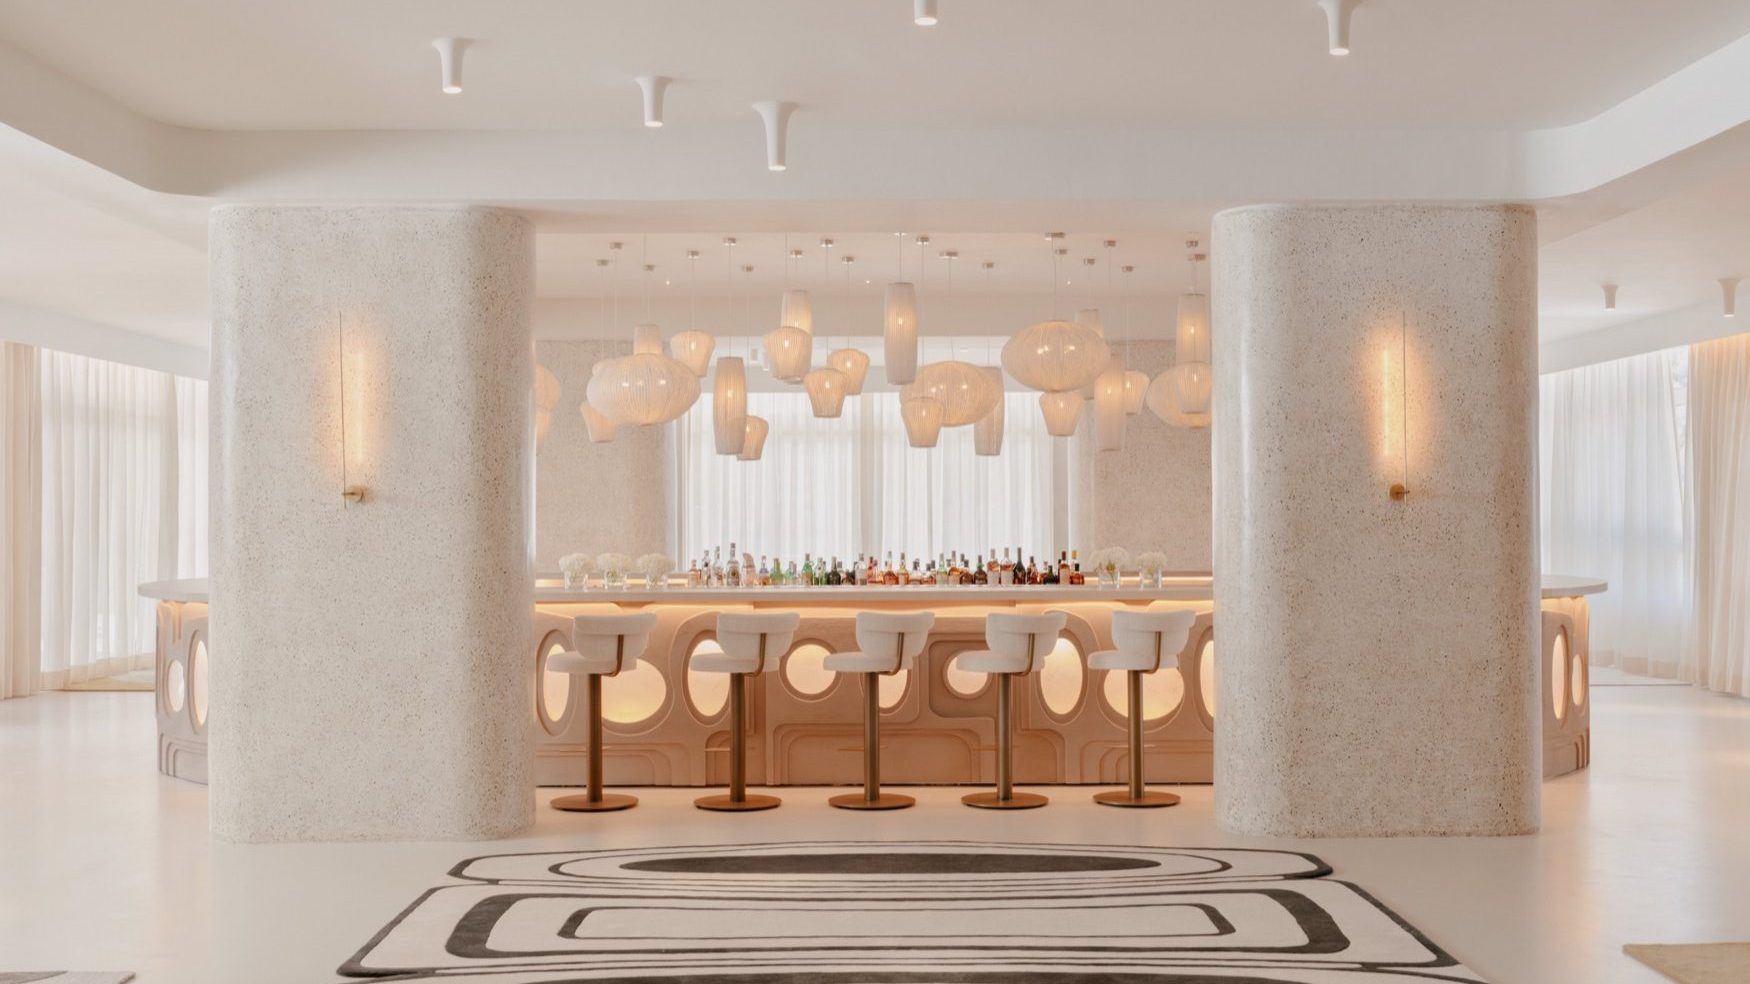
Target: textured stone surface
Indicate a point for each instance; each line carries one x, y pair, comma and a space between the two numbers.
1378, 659
366, 690
1153, 494
591, 498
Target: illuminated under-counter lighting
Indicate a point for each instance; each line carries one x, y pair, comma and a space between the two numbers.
923, 13
923, 421
450, 63
776, 116
601, 429
1729, 296
754, 442
729, 405
1062, 412
827, 389
987, 433
1337, 16
653, 87
546, 401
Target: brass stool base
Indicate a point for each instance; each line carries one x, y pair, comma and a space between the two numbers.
581, 803
993, 801
1148, 800
886, 801
724, 804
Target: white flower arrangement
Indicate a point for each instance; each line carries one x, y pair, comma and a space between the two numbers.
577, 565
614, 563
1151, 562
1111, 560
655, 565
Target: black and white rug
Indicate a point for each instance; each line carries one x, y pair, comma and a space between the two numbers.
901, 911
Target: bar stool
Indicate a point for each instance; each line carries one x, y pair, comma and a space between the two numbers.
601, 645
1018, 644
752, 642
1147, 641
889, 642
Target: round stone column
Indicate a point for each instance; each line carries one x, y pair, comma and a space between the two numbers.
1378, 654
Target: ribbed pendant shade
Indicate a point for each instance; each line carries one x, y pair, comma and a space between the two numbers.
729, 405
1135, 390
899, 333
923, 421
693, 349
601, 429
854, 363
1163, 400
1194, 382
796, 310
647, 340
987, 434
754, 444
789, 351
642, 389
827, 389
1090, 318
1109, 407
1062, 411
1191, 342
962, 388
1055, 356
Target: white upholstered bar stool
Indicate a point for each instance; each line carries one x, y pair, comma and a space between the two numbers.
601, 646
887, 642
752, 643
1018, 644
1146, 641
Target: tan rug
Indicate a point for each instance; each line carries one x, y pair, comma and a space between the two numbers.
1696, 963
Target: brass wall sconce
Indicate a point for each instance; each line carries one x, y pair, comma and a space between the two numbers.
351, 432
1395, 411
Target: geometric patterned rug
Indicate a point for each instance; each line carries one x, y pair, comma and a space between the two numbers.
846, 912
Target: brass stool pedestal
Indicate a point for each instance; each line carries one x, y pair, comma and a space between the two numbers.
996, 801
582, 803
1005, 797
594, 801
872, 798
738, 799
1136, 796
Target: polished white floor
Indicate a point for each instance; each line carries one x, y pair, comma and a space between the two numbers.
105, 865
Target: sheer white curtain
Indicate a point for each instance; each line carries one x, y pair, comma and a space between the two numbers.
852, 484
191, 477
20, 521
111, 510
1612, 506
1716, 647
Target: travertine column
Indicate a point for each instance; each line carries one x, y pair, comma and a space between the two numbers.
370, 683
1378, 658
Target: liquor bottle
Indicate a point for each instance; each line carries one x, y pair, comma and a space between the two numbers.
1048, 574
807, 570
1006, 570
1075, 574
1063, 567
733, 572
717, 567
917, 574
903, 571
693, 575
979, 574
860, 573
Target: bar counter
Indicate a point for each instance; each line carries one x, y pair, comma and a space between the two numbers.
667, 724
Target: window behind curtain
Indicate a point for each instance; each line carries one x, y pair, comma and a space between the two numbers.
853, 485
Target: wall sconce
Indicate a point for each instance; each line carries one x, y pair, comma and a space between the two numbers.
1395, 412
352, 430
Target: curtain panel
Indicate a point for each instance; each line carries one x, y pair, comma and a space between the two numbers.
1612, 502
20, 521
1716, 646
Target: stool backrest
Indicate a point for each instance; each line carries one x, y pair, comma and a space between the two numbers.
1008, 633
1155, 635
900, 635
601, 635
739, 633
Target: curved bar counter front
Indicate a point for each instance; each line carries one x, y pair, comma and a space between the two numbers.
667, 725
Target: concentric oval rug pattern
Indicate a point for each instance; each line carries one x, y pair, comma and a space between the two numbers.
902, 911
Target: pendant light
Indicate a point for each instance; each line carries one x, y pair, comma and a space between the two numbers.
923, 421
646, 387
546, 401
1109, 406
1062, 411
1090, 316
729, 385
963, 390
789, 347
853, 362
1191, 349
601, 429
692, 348
987, 433
1055, 356
899, 326
754, 443
1135, 380
827, 389
1163, 399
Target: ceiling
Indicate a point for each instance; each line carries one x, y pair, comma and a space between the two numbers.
1627, 123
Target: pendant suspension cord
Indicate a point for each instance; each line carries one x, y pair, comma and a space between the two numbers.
1109, 244
899, 251
1128, 334
693, 287
953, 342
1055, 254
614, 276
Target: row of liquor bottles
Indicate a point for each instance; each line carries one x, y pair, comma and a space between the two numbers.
712, 571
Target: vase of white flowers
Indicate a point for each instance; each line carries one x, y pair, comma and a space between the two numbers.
614, 567
577, 568
1109, 564
656, 568
1151, 563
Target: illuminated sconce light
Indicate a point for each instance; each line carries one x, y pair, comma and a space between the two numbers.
854, 363
1109, 407
826, 391
546, 401
923, 421
899, 333
1729, 296
1062, 410
754, 442
729, 405
1395, 414
601, 427
987, 433
352, 418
